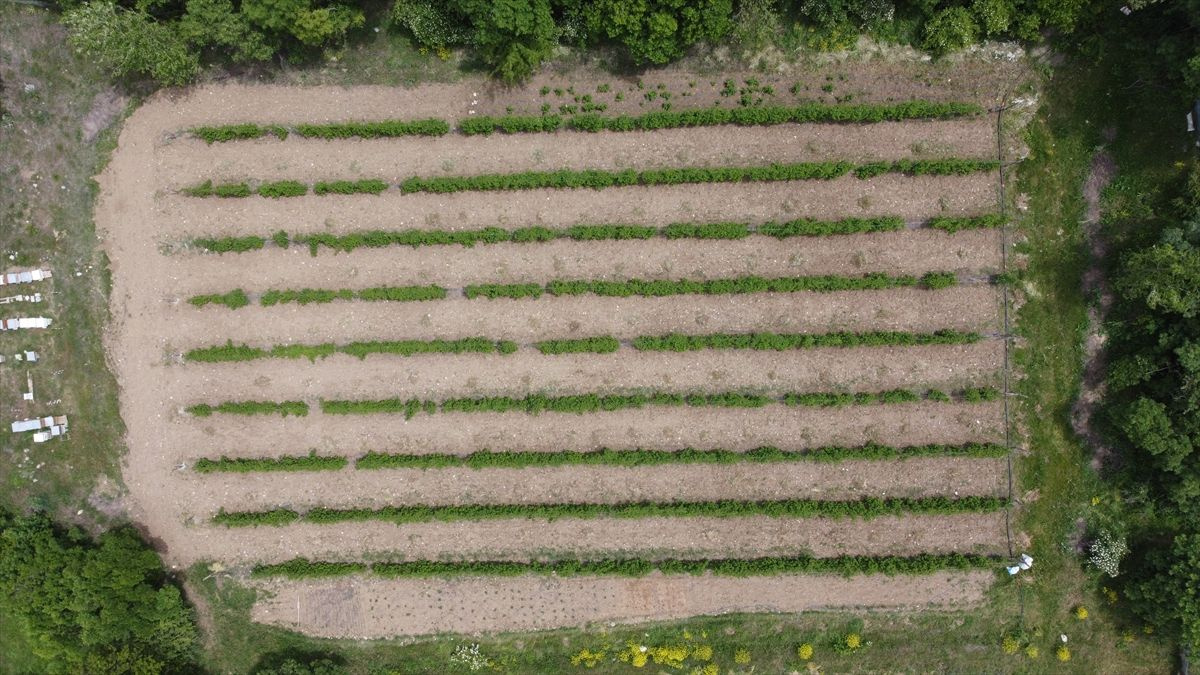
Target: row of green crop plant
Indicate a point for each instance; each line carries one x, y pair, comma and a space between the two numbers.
507, 459
512, 124
534, 404
928, 563
230, 352
620, 289
382, 129
284, 408
756, 116
310, 462
865, 508
598, 179
802, 227
787, 341
287, 188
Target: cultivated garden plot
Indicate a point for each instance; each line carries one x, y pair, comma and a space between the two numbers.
459, 360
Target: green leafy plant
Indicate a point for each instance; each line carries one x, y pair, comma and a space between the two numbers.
605, 344
233, 299
309, 462
284, 408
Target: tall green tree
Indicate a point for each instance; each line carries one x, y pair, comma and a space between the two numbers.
659, 31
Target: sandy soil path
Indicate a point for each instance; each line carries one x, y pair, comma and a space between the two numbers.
190, 161
373, 608
946, 367
178, 217
911, 252
675, 537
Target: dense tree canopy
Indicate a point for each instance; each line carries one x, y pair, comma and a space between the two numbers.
94, 607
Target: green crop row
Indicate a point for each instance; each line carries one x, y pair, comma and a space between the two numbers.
389, 128
237, 132
604, 344
233, 299
487, 459
834, 399
231, 244
927, 563
707, 231
385, 129
493, 291
648, 457
381, 293
953, 225
285, 408
785, 341
230, 352
804, 227
756, 116
597, 179
864, 509
283, 188
349, 187
287, 188
309, 462
207, 189
738, 285
534, 404
926, 167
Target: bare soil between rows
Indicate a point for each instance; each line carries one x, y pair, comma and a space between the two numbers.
367, 608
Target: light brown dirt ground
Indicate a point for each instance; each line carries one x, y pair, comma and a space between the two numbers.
522, 540
136, 218
375, 608
192, 161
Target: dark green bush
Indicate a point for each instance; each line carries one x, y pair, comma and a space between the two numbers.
927, 167
938, 280
300, 568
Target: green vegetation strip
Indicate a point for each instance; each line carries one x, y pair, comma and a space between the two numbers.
785, 341
285, 408
756, 116
301, 568
230, 352
803, 227
487, 459
865, 508
597, 179
632, 287
534, 404
383, 129
310, 462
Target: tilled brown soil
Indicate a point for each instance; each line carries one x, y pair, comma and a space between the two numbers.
375, 608
911, 252
191, 161
180, 217
522, 540
141, 219
946, 367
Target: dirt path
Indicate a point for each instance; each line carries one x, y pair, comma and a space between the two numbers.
911, 252
913, 198
362, 607
192, 161
946, 367
604, 537
1101, 173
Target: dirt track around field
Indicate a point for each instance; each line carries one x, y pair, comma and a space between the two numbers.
141, 219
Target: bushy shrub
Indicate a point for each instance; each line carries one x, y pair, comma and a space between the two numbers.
804, 652
233, 299
926, 167
1106, 553
383, 129
938, 280
302, 568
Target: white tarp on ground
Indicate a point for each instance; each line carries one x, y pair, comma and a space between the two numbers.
14, 324
35, 423
24, 277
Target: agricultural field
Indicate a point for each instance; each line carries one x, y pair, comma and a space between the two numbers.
468, 359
